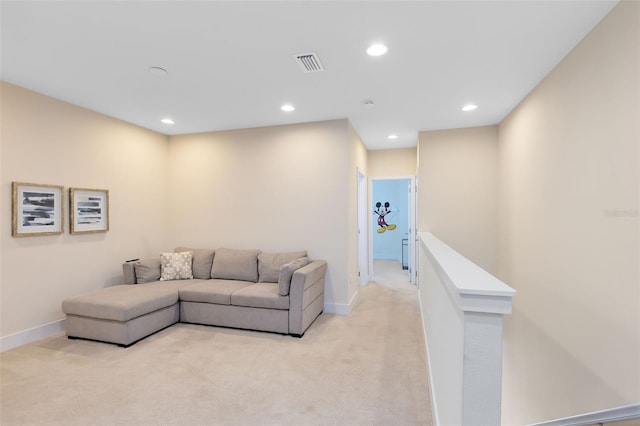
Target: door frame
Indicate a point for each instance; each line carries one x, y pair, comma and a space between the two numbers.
411, 257
363, 226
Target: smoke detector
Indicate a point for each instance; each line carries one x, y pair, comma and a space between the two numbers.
308, 62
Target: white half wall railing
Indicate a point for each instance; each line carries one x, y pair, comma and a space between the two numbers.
462, 309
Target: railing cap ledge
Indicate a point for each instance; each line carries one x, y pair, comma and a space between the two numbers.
476, 289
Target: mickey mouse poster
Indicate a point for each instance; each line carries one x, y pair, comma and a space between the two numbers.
383, 210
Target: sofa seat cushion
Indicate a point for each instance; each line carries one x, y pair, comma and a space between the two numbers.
121, 302
175, 285
212, 291
260, 295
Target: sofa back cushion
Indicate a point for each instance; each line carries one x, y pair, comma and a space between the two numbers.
231, 264
286, 273
269, 264
147, 270
202, 261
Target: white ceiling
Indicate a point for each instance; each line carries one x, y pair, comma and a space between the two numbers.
231, 63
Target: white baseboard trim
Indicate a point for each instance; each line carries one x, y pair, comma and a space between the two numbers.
341, 308
337, 308
626, 412
354, 299
434, 405
31, 335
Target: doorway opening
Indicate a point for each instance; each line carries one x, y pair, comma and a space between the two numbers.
392, 230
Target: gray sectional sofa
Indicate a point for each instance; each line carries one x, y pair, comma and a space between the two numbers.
249, 289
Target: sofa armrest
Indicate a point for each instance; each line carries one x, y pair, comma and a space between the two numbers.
306, 296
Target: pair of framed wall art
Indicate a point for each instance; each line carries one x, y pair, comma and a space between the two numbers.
39, 210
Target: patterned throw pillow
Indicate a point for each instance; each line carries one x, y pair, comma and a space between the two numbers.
201, 264
176, 266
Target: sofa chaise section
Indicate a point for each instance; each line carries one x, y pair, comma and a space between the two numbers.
121, 314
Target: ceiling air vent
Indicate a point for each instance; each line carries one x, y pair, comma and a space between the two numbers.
308, 62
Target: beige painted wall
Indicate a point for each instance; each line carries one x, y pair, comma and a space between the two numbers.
271, 188
392, 162
48, 141
569, 235
457, 191
274, 188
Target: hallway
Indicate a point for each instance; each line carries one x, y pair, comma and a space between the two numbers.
389, 273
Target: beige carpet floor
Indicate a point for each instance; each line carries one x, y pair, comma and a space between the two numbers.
389, 273
367, 368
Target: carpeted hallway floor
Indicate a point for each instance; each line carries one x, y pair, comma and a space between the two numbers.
367, 368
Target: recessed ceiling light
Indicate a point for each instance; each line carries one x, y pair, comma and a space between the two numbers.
392, 136
158, 71
167, 121
469, 107
377, 49
287, 108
